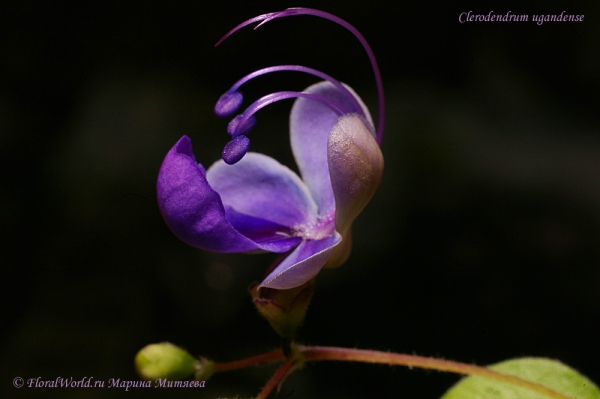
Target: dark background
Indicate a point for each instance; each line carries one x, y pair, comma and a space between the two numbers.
482, 243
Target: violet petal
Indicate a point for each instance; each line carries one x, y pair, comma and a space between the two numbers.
302, 264
270, 236
191, 208
261, 187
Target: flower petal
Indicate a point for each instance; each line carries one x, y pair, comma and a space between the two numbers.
269, 236
260, 187
302, 264
191, 208
310, 125
356, 168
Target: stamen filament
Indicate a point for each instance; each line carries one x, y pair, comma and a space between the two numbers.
322, 14
283, 95
299, 68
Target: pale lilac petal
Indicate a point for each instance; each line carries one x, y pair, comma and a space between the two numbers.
302, 264
356, 169
260, 187
310, 125
193, 209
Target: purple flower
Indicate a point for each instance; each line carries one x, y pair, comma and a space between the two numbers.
250, 202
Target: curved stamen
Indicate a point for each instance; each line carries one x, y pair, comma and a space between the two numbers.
229, 102
322, 14
242, 123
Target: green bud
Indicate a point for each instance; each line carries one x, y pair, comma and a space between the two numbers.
283, 309
165, 360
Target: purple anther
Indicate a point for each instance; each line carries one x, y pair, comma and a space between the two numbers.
235, 149
228, 104
234, 128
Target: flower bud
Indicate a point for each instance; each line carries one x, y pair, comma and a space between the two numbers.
283, 309
165, 360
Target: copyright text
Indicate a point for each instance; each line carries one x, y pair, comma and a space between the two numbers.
89, 382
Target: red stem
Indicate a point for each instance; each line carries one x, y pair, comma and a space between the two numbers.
277, 378
312, 353
259, 360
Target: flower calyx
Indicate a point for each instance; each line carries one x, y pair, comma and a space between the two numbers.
283, 309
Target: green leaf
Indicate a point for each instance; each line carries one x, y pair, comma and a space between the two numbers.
550, 373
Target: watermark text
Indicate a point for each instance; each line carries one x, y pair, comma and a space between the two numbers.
509, 16
90, 382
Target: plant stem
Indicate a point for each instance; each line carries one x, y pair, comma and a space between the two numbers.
277, 378
300, 354
259, 360
314, 353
